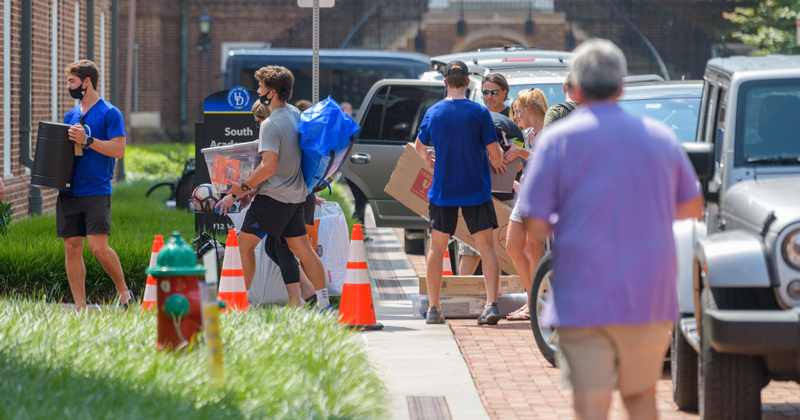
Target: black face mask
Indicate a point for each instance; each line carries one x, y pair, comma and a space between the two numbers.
262, 98
77, 93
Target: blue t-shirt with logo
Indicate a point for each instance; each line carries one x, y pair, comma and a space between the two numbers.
459, 130
94, 170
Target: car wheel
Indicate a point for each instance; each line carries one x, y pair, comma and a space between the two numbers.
546, 337
684, 372
729, 384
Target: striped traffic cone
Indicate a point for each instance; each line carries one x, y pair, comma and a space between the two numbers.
447, 269
150, 290
356, 308
231, 281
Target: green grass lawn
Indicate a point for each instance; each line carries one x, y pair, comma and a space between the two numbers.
279, 364
32, 257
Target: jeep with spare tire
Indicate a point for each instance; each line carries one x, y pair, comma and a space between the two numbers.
739, 269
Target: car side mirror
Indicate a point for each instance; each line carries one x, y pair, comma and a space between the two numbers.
702, 157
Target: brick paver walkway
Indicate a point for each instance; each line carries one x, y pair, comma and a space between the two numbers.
516, 382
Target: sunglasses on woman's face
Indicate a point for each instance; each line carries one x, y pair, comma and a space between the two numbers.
493, 92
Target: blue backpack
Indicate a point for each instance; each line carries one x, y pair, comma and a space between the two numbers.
326, 136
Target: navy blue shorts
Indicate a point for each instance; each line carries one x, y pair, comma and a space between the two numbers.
478, 218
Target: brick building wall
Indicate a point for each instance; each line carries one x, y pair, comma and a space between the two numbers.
50, 55
283, 24
158, 37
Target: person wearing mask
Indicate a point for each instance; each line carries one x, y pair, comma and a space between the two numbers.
278, 209
85, 211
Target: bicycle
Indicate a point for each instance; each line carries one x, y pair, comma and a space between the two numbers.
180, 189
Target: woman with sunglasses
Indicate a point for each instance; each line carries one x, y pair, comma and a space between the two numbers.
525, 253
494, 88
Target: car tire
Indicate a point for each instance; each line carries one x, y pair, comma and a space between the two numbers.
729, 384
546, 337
683, 367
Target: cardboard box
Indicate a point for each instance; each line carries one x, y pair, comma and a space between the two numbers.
409, 185
454, 307
233, 163
504, 182
473, 285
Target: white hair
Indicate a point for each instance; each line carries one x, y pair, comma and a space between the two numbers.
598, 67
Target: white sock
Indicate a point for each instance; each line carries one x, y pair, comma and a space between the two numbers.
322, 298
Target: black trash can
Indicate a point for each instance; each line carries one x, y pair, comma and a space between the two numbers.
54, 162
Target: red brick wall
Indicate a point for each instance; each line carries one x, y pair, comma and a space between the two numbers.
18, 184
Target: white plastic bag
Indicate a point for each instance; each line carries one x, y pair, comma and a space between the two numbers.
267, 286
332, 244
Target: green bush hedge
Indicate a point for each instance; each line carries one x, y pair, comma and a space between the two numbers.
32, 257
156, 161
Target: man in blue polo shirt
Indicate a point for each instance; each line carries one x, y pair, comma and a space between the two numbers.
461, 132
609, 185
86, 210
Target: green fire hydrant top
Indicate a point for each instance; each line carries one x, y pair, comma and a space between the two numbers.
176, 259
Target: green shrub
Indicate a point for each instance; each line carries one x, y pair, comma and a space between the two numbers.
156, 161
339, 195
5, 216
32, 257
279, 364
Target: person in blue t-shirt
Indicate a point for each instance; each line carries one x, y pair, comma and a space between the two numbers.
461, 132
86, 210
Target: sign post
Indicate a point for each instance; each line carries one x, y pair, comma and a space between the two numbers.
227, 119
315, 4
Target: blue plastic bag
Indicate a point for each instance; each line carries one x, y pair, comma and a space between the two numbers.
325, 136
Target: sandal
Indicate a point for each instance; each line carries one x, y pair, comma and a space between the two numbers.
519, 315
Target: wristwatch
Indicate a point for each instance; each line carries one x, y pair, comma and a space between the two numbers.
244, 187
89, 141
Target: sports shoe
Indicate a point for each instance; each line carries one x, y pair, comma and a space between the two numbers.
328, 310
490, 315
434, 316
130, 303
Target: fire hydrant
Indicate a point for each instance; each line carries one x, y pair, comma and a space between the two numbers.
179, 302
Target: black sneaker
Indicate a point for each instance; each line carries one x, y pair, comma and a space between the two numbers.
312, 301
490, 315
130, 303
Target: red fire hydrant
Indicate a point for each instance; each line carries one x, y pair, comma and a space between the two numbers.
179, 304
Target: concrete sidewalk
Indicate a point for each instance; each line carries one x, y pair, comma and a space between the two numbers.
414, 359
482, 372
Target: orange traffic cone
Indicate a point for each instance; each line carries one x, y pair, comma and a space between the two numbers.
150, 291
231, 281
355, 308
447, 269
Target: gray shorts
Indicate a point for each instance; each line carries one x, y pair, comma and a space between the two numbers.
81, 216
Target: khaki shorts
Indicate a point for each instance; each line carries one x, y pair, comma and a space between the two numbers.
628, 357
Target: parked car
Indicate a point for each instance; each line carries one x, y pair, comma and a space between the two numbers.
739, 269
677, 104
390, 117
